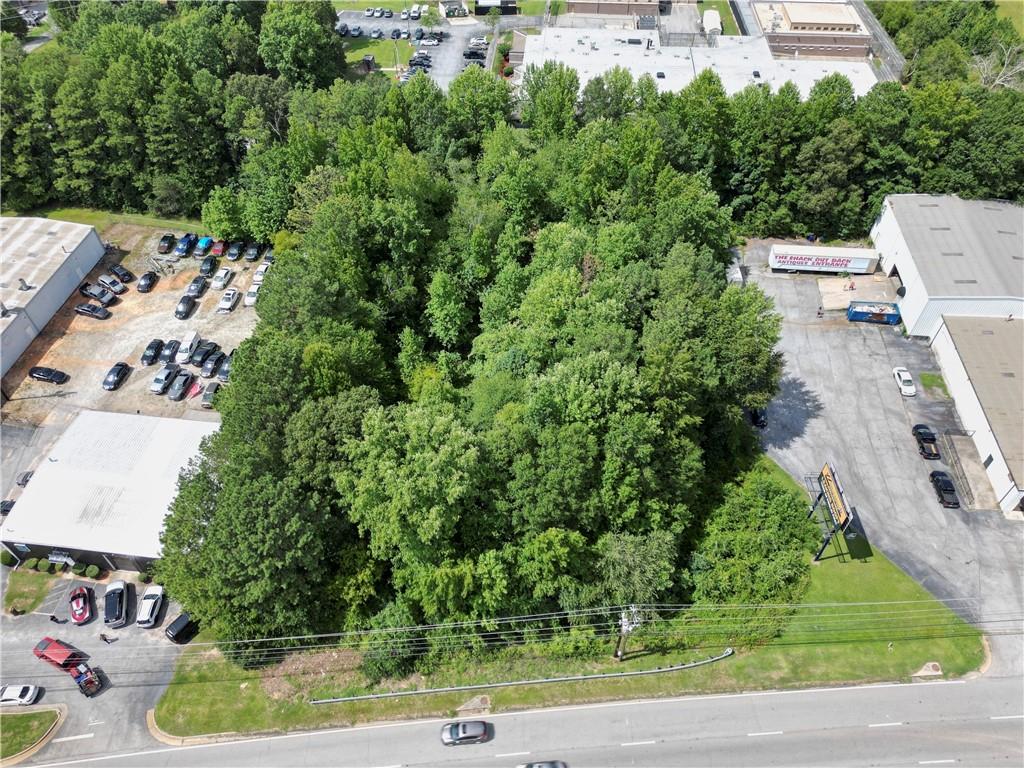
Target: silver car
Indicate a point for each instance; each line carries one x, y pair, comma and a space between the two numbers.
221, 279
164, 378
112, 284
228, 300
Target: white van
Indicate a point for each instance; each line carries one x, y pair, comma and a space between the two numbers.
414, 12
188, 346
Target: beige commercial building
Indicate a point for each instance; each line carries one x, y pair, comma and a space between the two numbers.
813, 29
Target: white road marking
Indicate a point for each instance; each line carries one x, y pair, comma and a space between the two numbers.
1006, 717
766, 733
636, 743
74, 738
526, 713
935, 762
96, 722
882, 725
511, 754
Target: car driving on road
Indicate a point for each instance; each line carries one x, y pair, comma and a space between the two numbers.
465, 732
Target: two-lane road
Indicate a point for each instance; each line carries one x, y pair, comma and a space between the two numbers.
977, 722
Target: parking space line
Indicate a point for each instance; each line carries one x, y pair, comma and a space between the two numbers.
1006, 717
637, 743
74, 738
766, 733
882, 725
511, 754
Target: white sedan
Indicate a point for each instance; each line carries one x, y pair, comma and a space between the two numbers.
904, 381
250, 295
227, 301
149, 606
261, 272
429, 41
18, 695
221, 279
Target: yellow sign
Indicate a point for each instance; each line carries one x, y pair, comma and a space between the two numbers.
833, 496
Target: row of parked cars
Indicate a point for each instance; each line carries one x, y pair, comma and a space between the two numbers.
201, 246
108, 287
217, 279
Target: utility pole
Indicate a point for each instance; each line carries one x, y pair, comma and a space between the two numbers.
628, 621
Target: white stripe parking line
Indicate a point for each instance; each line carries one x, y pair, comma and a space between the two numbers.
935, 762
1006, 717
766, 733
882, 725
74, 738
637, 743
511, 754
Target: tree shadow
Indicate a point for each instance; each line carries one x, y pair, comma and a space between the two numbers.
790, 412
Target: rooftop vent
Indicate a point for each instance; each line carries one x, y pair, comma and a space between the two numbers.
966, 282
988, 333
928, 205
952, 253
52, 233
939, 229
1008, 374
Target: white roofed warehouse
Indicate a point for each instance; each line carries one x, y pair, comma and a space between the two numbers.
102, 493
42, 261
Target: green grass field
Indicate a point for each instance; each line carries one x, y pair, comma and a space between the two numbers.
722, 6
1012, 10
26, 590
209, 695
383, 51
933, 381
20, 731
353, 5
104, 219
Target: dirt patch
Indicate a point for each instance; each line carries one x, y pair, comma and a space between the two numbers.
339, 667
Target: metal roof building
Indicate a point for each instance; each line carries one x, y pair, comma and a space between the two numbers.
982, 360
42, 261
102, 493
953, 257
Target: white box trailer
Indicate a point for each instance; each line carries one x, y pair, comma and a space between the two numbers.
812, 258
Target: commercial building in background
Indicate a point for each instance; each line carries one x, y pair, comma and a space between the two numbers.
817, 29
982, 361
952, 257
101, 494
43, 262
613, 7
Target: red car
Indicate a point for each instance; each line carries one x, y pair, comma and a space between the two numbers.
218, 248
61, 655
80, 602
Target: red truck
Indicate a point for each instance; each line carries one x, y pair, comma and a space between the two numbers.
69, 659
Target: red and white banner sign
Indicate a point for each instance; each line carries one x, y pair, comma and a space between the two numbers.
799, 258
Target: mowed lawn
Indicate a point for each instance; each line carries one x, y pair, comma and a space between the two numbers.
26, 590
387, 53
724, 10
20, 731
840, 635
101, 220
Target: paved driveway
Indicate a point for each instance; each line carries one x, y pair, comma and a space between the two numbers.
838, 403
135, 668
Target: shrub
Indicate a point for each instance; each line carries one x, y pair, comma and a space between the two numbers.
144, 577
57, 567
43, 566
30, 563
78, 569
508, 71
92, 571
504, 49
6, 558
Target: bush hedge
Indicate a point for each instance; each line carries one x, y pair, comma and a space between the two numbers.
31, 563
6, 558
43, 566
509, 70
78, 569
92, 571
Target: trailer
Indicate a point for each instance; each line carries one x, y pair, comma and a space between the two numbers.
813, 258
873, 312
86, 679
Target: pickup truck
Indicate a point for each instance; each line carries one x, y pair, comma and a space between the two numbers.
63, 656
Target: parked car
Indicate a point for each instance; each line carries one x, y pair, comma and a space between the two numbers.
218, 248
112, 284
100, 294
250, 296
179, 386
341, 28
166, 243
904, 381
473, 53
404, 14
225, 368
378, 13
49, 375
388, 13
269, 255
926, 443
185, 244
189, 342
202, 352
18, 695
80, 605
121, 273
479, 41
185, 306
368, 13
92, 310
356, 31
545, 764
169, 351
182, 629
396, 33
235, 250
23, 478
228, 300
149, 606
6, 506
465, 732
208, 267
212, 364
196, 287
376, 33
209, 393
146, 282
203, 244
404, 34
252, 252
164, 378
221, 279
418, 33
152, 352
115, 604
944, 489
63, 656
429, 41
115, 376
261, 272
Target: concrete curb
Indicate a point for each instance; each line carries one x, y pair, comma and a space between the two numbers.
62, 713
189, 741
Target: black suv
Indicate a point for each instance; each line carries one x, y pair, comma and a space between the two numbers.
208, 267
152, 353
944, 489
925, 442
472, 53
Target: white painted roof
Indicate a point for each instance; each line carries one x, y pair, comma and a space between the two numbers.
106, 485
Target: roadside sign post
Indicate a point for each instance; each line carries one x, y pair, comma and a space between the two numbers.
831, 492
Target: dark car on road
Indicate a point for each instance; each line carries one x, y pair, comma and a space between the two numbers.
50, 375
92, 310
121, 273
152, 352
166, 243
252, 252
466, 732
169, 351
179, 387
115, 376
203, 351
146, 282
196, 287
208, 267
212, 364
944, 489
98, 292
115, 604
235, 250
926, 444
185, 306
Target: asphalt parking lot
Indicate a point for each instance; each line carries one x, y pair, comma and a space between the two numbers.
86, 348
839, 403
135, 668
